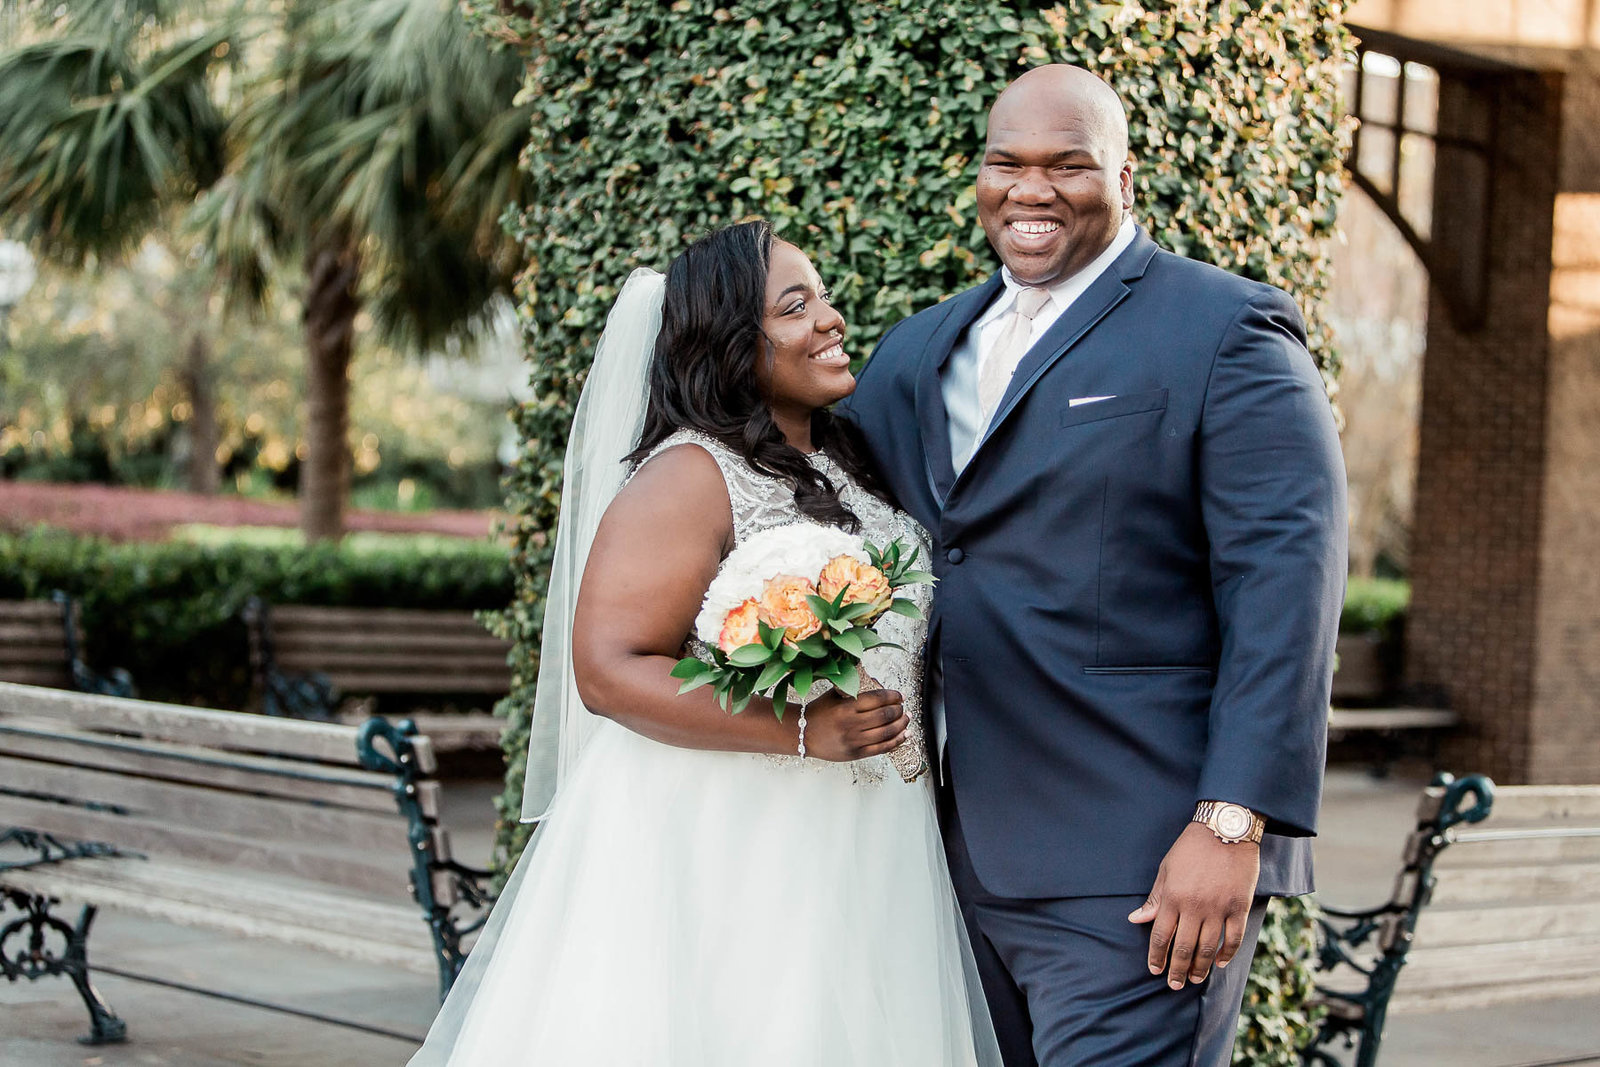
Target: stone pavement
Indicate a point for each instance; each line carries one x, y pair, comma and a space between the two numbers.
1364, 823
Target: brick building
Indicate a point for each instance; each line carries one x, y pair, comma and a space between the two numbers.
1504, 103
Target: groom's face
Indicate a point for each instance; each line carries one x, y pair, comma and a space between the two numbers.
1055, 181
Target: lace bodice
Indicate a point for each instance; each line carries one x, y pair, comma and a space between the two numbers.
761, 502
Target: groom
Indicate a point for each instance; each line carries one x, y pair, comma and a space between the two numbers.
1132, 477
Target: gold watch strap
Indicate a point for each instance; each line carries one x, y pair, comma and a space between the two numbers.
1206, 810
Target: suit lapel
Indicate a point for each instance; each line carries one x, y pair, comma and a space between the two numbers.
1107, 291
932, 420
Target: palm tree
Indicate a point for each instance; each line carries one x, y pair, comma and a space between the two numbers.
111, 123
376, 143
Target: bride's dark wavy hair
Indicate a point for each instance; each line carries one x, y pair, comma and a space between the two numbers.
703, 373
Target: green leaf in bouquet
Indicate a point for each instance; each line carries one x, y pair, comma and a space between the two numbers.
848, 680
770, 674
813, 646
853, 612
916, 578
906, 608
770, 636
722, 696
689, 667
870, 638
850, 641
742, 689
780, 698
803, 677
750, 655
788, 652
821, 608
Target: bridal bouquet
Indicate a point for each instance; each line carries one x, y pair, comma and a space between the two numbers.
793, 605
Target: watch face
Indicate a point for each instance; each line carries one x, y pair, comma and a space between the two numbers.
1233, 821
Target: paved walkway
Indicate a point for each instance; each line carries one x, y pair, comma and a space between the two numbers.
1364, 824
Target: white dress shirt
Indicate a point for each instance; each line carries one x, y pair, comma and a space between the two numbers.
959, 381
959, 385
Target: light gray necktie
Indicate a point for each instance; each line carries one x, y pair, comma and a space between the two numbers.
1009, 348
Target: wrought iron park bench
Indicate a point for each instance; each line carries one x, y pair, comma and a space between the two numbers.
41, 643
306, 833
1479, 916
307, 660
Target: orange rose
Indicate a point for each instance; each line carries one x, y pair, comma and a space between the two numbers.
783, 603
866, 583
739, 628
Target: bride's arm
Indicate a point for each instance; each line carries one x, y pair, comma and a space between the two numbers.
655, 552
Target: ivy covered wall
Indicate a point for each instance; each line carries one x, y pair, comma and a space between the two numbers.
856, 127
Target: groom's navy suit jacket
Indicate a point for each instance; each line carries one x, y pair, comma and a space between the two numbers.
1138, 597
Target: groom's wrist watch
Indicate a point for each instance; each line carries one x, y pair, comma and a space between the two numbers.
1232, 823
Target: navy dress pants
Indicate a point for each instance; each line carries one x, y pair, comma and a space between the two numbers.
1068, 985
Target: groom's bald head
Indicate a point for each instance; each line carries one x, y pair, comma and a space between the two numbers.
1064, 94
1055, 182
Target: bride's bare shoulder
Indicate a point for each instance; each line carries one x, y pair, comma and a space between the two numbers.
678, 489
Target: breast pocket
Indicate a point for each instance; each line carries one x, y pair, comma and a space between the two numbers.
1115, 407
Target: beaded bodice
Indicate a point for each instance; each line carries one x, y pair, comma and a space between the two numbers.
761, 502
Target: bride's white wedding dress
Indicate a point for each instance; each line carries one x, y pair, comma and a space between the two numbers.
682, 908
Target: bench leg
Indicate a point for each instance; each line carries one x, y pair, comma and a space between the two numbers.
33, 958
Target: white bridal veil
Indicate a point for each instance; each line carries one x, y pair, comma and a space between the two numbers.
605, 428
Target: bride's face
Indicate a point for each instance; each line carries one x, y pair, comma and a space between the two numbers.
807, 366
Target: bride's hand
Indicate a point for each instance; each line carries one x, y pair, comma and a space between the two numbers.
841, 729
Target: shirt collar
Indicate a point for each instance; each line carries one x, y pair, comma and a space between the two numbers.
1065, 291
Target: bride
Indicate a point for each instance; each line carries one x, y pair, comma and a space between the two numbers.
698, 894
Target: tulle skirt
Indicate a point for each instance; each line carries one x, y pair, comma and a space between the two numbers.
704, 909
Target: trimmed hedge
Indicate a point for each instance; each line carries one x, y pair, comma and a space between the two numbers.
168, 612
855, 127
1375, 605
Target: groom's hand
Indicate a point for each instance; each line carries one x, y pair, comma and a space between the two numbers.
1201, 900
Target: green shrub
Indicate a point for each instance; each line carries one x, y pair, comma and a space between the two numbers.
168, 612
1375, 605
855, 128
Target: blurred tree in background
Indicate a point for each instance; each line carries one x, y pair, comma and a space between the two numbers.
371, 142
90, 391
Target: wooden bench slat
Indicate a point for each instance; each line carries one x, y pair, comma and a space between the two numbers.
1519, 853
30, 609
296, 779
186, 805
1545, 882
327, 742
38, 653
1343, 719
424, 619
1468, 965
350, 868
1462, 998
365, 682
1506, 922
466, 664
344, 641
44, 677
1546, 804
32, 630
279, 909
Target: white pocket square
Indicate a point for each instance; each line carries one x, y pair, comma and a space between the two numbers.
1080, 400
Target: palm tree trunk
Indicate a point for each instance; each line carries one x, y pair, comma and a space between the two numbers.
332, 270
202, 475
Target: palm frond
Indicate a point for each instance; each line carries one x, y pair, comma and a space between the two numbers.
97, 144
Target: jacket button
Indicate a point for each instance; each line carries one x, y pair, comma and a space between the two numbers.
955, 555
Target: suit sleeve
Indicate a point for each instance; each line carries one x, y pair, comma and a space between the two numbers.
1272, 491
